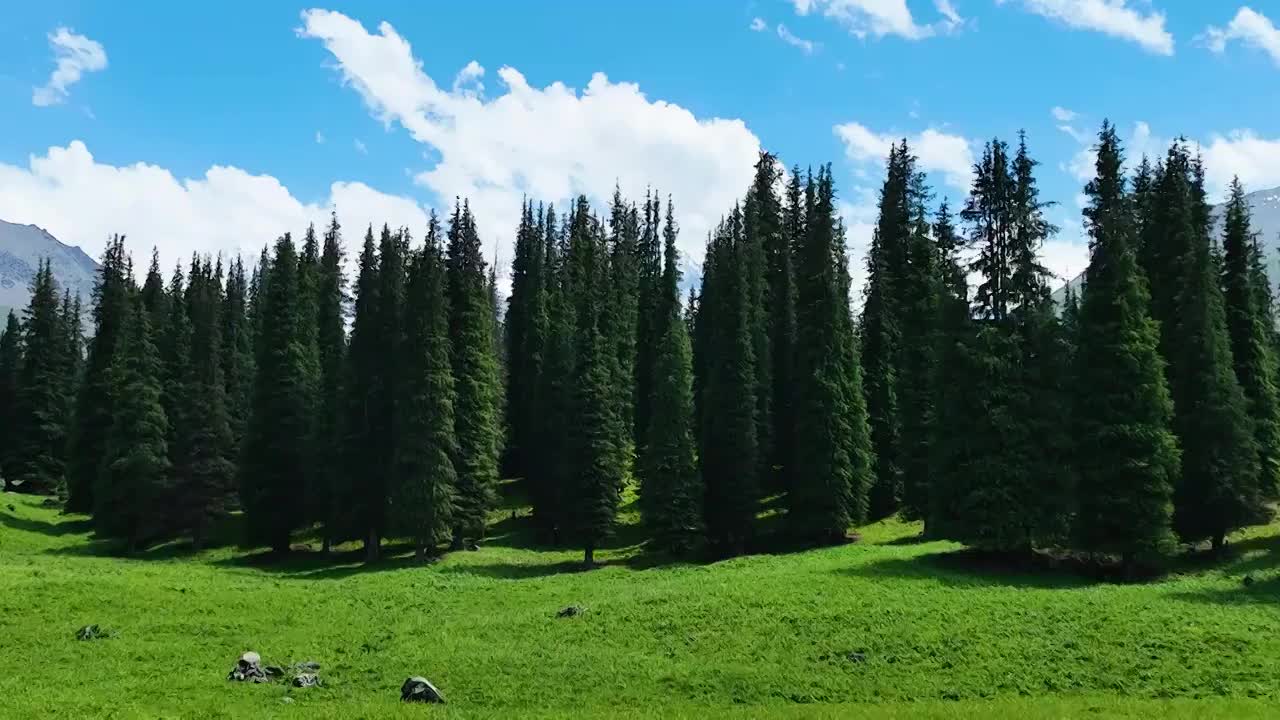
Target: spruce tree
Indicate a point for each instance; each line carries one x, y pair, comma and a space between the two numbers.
206, 445
331, 340
523, 338
726, 391
41, 407
919, 286
1127, 454
671, 489
276, 439
620, 322
379, 479
422, 499
765, 230
362, 396
130, 499
237, 352
476, 412
1218, 488
10, 364
551, 468
881, 331
1249, 325
111, 299
309, 334
650, 320
597, 428
833, 447
174, 344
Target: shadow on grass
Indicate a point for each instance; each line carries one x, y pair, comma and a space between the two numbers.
1243, 562
53, 529
972, 568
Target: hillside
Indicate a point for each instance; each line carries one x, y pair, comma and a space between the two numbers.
890, 627
22, 247
1264, 206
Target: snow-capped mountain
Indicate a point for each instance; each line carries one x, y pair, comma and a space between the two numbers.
1264, 215
22, 247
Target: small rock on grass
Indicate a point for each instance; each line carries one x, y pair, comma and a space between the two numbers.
571, 611
94, 632
420, 689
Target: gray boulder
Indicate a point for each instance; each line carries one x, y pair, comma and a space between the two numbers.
420, 689
249, 669
306, 680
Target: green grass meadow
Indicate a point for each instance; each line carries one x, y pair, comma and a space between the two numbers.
888, 627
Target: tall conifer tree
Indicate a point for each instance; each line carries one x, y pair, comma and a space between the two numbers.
1128, 456
276, 439
132, 489
41, 407
10, 365
111, 298
331, 341
476, 412
425, 478
671, 489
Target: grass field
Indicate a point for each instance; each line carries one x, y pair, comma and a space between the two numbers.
768, 636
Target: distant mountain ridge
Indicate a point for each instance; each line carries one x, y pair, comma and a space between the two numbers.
1264, 217
22, 248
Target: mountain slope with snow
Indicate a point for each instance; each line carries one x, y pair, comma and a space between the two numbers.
22, 247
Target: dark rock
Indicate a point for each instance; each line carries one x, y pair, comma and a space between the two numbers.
420, 689
571, 611
12, 508
306, 680
1248, 580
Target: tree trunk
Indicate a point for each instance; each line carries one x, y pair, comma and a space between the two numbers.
1219, 541
589, 556
371, 544
327, 545
420, 552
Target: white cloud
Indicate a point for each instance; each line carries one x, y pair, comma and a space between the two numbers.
468, 80
548, 143
936, 151
1062, 114
81, 201
1117, 18
806, 46
882, 17
76, 55
360, 146
1251, 28
759, 25
319, 138
1256, 160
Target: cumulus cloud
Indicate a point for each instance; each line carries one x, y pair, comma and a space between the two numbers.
1117, 18
1249, 27
75, 55
759, 25
1062, 114
878, 18
549, 143
81, 201
950, 156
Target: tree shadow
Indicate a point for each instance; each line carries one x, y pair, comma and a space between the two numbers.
59, 528
1245, 561
523, 571
974, 568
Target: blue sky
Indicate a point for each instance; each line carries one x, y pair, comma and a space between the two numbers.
190, 129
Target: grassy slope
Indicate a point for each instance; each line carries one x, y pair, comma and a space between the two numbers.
762, 636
